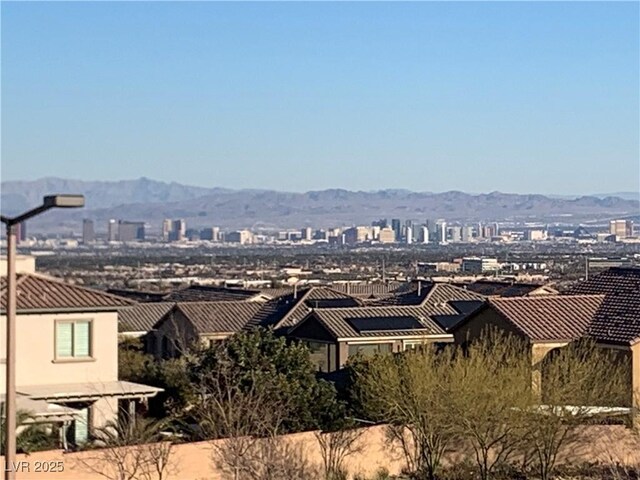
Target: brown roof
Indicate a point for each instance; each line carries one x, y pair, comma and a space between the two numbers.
208, 293
431, 293
41, 293
338, 322
372, 290
614, 280
491, 288
549, 318
618, 318
308, 299
219, 317
143, 316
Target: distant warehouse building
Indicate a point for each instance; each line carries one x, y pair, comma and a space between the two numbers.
480, 265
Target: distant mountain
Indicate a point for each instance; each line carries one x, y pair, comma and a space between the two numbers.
623, 195
152, 201
19, 195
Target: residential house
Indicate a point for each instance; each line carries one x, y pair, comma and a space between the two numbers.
390, 325
199, 324
335, 334
67, 355
605, 308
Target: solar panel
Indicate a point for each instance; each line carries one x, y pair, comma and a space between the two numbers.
368, 324
466, 306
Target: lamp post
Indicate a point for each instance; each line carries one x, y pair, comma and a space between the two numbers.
50, 201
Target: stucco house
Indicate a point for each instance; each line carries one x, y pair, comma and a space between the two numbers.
333, 335
67, 355
606, 308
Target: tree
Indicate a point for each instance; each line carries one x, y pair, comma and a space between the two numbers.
335, 447
411, 392
31, 437
575, 379
130, 449
489, 381
171, 375
244, 417
260, 357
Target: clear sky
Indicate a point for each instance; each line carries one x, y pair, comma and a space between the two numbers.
519, 97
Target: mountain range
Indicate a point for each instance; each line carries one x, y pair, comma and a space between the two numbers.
152, 201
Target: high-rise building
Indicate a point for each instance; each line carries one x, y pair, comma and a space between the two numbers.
130, 231
454, 234
21, 233
386, 235
112, 231
88, 232
355, 235
241, 236
621, 228
212, 234
408, 235
467, 233
396, 226
441, 231
178, 230
305, 233
423, 236
167, 225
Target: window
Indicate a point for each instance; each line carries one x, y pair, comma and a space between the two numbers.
319, 355
73, 339
369, 348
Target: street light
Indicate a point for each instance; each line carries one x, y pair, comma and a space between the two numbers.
50, 201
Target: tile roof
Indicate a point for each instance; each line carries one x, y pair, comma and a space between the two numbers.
336, 320
143, 316
138, 295
618, 318
613, 280
430, 293
501, 289
207, 293
41, 293
547, 318
275, 292
372, 290
301, 305
219, 317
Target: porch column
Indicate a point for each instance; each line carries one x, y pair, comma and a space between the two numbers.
132, 415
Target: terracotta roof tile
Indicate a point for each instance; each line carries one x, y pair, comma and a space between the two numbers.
219, 317
38, 292
142, 317
618, 318
547, 318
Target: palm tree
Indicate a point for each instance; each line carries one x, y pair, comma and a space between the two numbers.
32, 437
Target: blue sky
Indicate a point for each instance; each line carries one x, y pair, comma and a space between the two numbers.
518, 97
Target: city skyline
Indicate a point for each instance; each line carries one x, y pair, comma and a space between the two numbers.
295, 97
